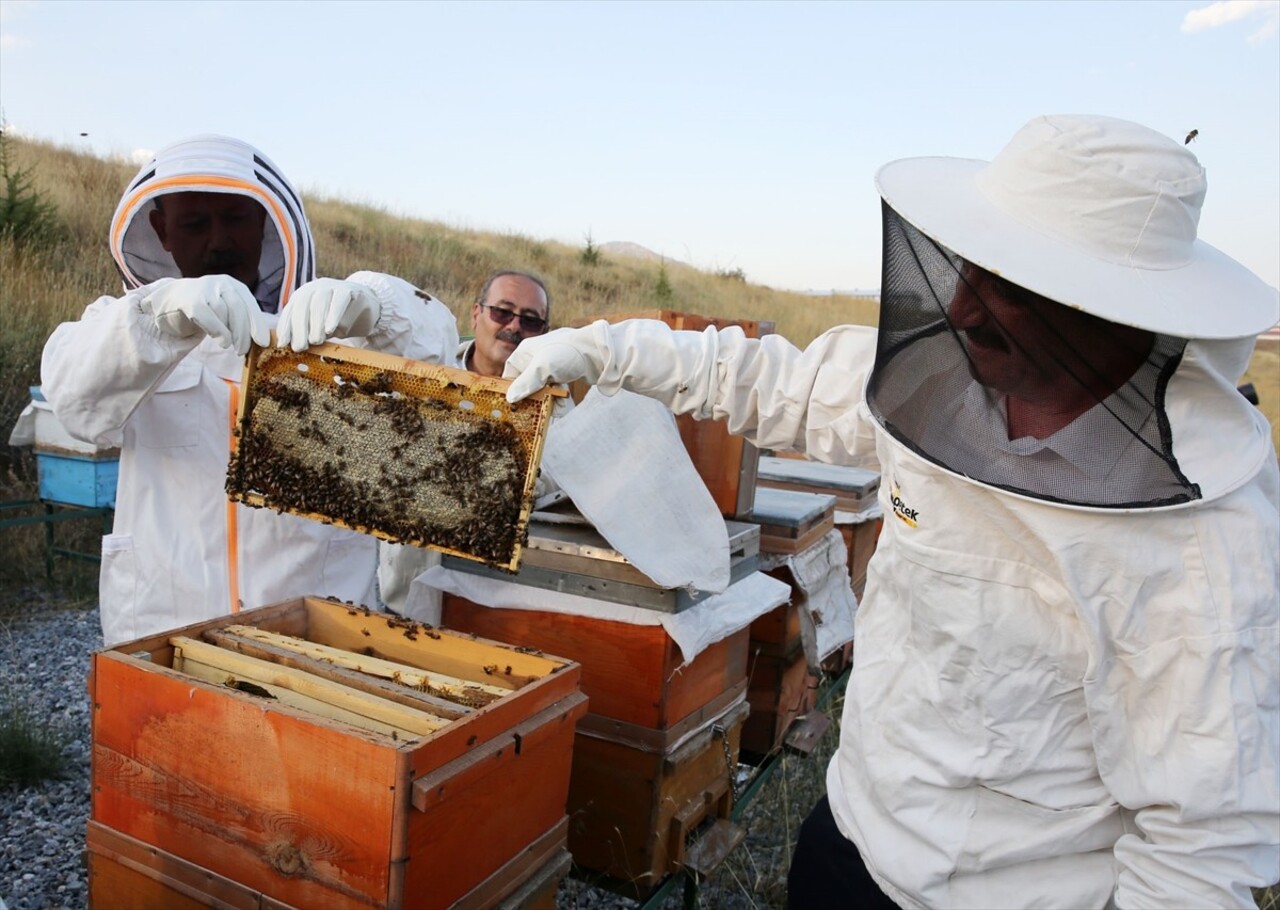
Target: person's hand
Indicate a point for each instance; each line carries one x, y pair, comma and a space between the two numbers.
545, 359
325, 308
214, 305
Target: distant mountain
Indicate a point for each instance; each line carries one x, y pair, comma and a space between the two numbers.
839, 292
628, 250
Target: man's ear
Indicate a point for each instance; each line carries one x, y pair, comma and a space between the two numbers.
157, 224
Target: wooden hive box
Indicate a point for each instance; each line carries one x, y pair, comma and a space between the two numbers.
781, 688
649, 761
125, 872
726, 463
638, 797
312, 785
634, 674
854, 488
791, 521
860, 539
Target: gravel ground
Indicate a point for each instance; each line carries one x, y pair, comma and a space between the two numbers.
43, 651
44, 648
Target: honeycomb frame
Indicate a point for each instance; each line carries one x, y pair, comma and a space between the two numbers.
407, 451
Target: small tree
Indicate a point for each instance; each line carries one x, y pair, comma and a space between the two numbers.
24, 214
663, 290
590, 254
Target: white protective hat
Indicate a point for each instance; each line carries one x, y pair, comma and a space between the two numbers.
1093, 212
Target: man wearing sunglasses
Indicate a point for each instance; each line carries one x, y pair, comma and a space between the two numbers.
511, 306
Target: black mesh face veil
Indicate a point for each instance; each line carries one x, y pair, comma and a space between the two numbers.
996, 383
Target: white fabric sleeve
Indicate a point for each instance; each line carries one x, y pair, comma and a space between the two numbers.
97, 370
766, 389
1183, 695
409, 325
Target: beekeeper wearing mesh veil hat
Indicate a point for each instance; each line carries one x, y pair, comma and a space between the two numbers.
213, 243
1065, 684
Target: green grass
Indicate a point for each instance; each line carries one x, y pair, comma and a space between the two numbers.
31, 748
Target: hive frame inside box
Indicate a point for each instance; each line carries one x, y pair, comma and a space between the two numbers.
263, 794
726, 463
408, 451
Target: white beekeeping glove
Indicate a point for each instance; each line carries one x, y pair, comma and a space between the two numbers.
557, 357
214, 305
326, 308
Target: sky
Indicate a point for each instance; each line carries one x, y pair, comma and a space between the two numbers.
728, 135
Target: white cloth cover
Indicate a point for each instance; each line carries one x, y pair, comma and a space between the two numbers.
620, 459
693, 630
821, 571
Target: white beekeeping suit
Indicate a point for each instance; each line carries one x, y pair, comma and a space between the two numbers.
1066, 686
122, 376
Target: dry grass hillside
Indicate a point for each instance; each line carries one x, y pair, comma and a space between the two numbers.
50, 281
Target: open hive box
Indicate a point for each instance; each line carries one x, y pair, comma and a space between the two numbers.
408, 451
315, 754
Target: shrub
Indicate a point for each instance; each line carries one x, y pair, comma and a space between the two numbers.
662, 290
25, 215
31, 749
590, 254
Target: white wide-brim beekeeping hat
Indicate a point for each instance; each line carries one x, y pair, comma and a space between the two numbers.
1093, 212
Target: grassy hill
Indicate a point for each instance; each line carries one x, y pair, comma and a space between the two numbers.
52, 280
50, 277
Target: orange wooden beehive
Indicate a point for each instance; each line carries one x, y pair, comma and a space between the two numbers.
655, 758
295, 808
781, 687
726, 463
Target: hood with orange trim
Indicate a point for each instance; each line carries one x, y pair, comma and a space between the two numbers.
215, 164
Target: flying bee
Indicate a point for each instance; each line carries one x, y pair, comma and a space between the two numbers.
1191, 135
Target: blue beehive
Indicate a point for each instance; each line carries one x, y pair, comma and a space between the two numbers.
71, 471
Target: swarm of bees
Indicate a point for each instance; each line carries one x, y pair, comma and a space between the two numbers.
386, 453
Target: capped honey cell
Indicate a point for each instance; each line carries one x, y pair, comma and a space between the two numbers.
407, 451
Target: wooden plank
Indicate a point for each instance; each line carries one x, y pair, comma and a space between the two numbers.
412, 698
264, 798
534, 864
631, 673
127, 872
451, 687
470, 831
301, 690
791, 546
443, 650
500, 752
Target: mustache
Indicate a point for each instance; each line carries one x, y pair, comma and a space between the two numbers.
512, 337
222, 263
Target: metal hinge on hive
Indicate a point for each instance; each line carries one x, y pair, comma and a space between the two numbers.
408, 451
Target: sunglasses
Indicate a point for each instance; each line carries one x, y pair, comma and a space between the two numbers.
532, 325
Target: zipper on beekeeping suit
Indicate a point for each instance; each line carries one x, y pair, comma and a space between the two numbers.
233, 536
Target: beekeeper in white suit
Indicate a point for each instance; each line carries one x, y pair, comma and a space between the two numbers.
212, 242
1065, 684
